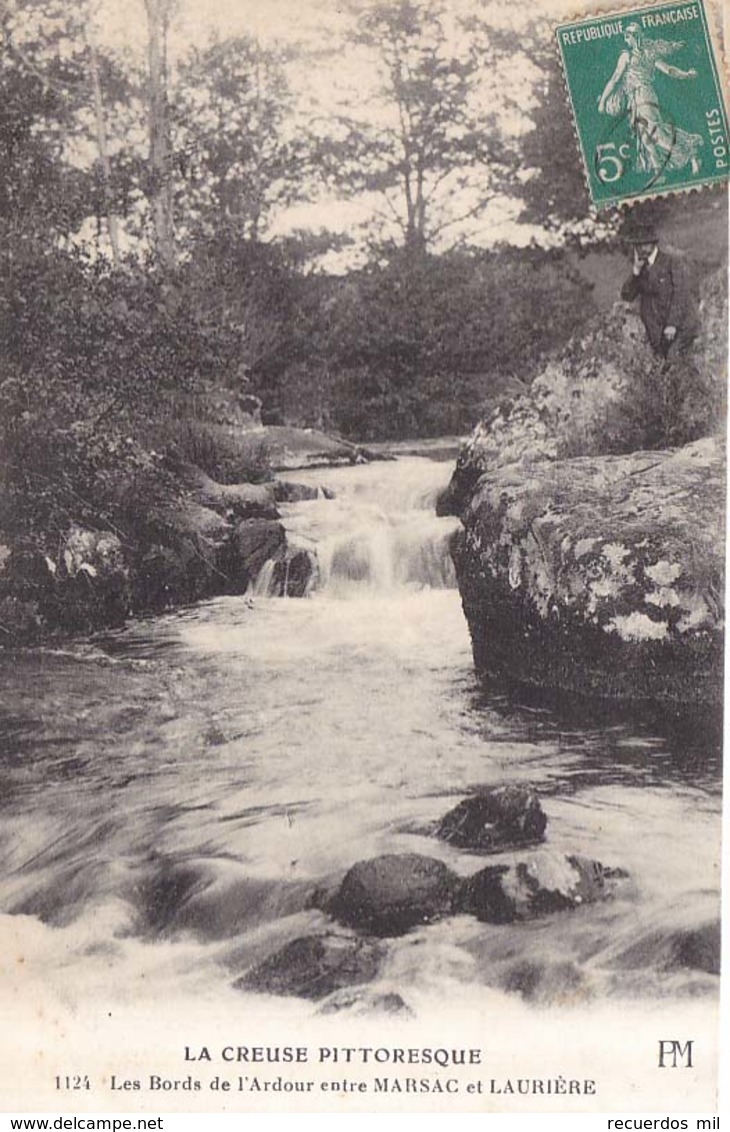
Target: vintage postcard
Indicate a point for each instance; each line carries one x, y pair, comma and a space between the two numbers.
362, 548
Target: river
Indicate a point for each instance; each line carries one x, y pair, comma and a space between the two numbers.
172, 790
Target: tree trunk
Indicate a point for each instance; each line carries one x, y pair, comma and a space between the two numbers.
160, 186
102, 142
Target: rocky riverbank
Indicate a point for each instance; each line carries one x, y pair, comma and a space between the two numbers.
191, 538
591, 558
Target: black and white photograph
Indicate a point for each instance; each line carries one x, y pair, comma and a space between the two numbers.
362, 559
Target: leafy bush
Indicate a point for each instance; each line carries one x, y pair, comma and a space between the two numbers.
61, 462
93, 359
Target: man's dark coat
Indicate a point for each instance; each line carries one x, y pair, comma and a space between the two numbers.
668, 298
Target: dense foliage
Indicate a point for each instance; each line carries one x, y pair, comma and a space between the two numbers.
418, 349
147, 286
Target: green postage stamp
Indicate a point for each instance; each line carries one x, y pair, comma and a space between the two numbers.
646, 93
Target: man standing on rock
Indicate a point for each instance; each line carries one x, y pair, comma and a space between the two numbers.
669, 306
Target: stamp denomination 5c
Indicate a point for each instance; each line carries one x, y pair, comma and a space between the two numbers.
647, 101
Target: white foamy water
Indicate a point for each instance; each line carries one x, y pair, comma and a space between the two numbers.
173, 795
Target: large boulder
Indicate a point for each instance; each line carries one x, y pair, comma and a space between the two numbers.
548, 882
178, 556
494, 819
605, 393
391, 894
314, 967
602, 576
564, 411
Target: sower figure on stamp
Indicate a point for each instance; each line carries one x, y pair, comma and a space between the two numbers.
660, 145
669, 298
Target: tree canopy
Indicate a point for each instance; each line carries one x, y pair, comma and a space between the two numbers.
162, 196
427, 143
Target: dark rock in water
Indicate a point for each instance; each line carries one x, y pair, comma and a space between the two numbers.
389, 895
314, 966
364, 1002
287, 492
547, 983
502, 894
484, 896
252, 543
496, 818
699, 948
293, 573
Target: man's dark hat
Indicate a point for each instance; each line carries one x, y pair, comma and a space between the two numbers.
635, 233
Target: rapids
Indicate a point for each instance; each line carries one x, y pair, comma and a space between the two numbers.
173, 791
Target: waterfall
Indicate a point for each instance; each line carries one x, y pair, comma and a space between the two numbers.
263, 584
180, 795
380, 531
